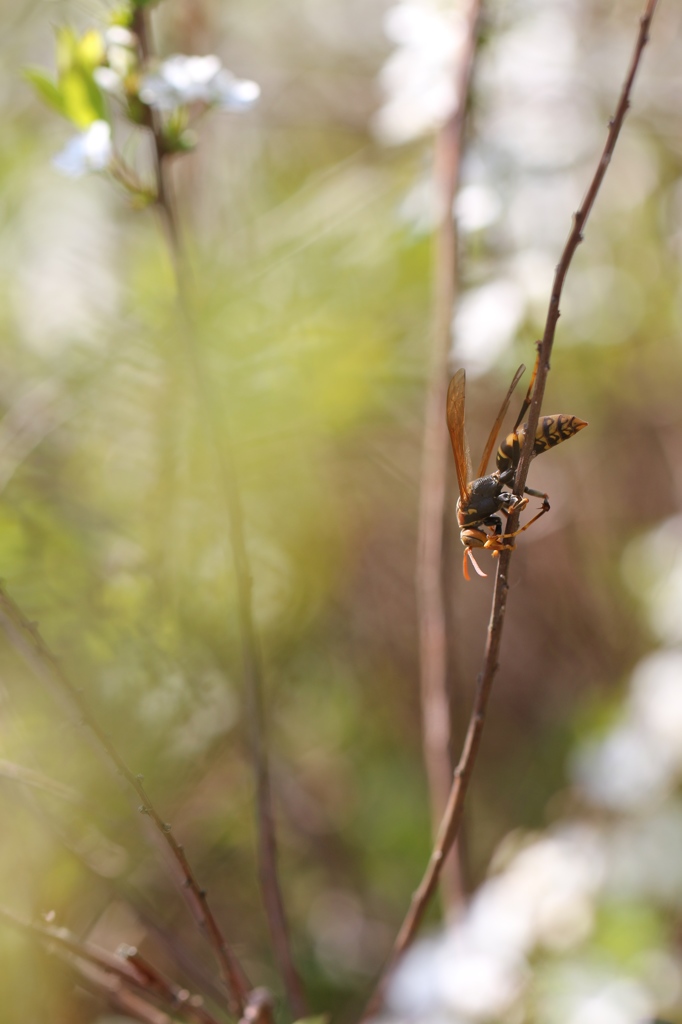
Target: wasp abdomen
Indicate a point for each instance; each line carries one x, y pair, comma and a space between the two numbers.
552, 430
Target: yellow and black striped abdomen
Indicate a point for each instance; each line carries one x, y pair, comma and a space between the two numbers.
552, 430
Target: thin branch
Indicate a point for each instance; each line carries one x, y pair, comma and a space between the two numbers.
103, 972
164, 196
201, 979
36, 780
62, 938
431, 604
132, 1004
188, 1005
453, 815
252, 666
26, 638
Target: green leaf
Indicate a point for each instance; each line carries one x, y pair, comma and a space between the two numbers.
186, 142
83, 101
90, 50
67, 48
176, 138
122, 15
46, 88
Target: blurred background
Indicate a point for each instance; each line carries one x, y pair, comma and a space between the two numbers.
308, 226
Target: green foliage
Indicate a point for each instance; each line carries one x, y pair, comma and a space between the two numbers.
123, 15
75, 95
310, 308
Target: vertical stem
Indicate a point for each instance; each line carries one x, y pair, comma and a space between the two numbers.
452, 817
429, 575
252, 665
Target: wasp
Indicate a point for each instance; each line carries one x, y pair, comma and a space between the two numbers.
481, 498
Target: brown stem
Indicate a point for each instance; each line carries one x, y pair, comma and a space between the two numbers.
26, 638
574, 239
252, 666
184, 1002
104, 972
67, 942
453, 814
430, 598
132, 1004
164, 193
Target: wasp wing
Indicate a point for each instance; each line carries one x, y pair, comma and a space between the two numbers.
526, 401
455, 417
490, 444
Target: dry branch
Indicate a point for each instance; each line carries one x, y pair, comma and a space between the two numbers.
115, 976
453, 815
431, 604
28, 641
252, 666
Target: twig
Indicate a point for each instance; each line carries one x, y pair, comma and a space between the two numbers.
430, 599
36, 780
26, 638
164, 191
104, 972
132, 1004
453, 815
252, 666
184, 1002
67, 942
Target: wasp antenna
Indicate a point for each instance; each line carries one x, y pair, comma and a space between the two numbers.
465, 567
476, 566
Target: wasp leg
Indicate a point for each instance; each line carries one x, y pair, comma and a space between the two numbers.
538, 494
494, 541
498, 543
518, 506
544, 508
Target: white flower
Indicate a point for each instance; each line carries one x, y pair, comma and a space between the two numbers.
89, 151
418, 79
109, 80
625, 770
117, 35
232, 93
640, 758
486, 322
121, 50
181, 80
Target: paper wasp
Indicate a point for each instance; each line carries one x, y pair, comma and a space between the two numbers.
482, 497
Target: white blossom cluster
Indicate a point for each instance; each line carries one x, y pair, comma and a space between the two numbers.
418, 80
179, 81
527, 948
524, 949
536, 131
